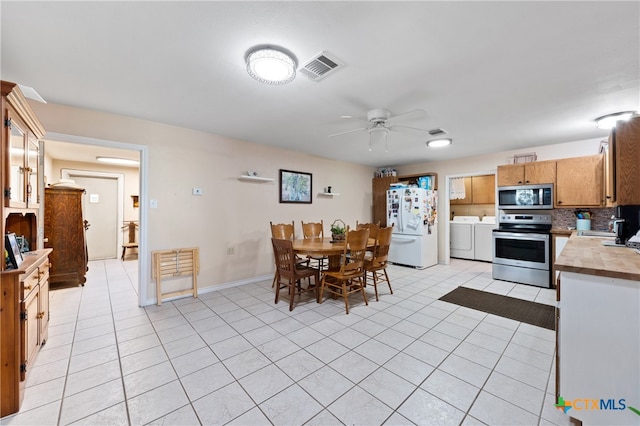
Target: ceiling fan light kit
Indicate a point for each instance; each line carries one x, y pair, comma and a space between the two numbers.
271, 64
381, 122
609, 121
435, 143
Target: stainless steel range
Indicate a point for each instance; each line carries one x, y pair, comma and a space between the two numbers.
522, 249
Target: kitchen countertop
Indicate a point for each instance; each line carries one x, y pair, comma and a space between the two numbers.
587, 255
561, 231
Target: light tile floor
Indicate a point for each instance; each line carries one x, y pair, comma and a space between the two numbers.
234, 357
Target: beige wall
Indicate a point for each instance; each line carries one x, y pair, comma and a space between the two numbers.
231, 213
482, 165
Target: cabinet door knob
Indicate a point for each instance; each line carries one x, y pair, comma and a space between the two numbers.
28, 287
41, 315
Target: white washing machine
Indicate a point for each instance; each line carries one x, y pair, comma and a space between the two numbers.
461, 237
483, 238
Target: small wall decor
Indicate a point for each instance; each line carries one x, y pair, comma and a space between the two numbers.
295, 187
136, 201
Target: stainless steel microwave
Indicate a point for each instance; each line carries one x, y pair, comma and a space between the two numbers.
524, 197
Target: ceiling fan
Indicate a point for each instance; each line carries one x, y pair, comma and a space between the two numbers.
381, 122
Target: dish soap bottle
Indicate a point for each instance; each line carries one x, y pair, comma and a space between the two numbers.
611, 223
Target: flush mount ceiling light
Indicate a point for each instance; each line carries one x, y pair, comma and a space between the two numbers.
435, 143
118, 161
608, 121
271, 64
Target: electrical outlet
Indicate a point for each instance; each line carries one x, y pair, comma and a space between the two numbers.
230, 251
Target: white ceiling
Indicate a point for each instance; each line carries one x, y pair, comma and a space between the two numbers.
495, 75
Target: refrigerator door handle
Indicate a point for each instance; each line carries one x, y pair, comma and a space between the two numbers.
394, 238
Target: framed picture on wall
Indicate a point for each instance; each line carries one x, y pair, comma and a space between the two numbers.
295, 187
14, 257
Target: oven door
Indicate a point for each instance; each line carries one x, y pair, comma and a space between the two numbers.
526, 250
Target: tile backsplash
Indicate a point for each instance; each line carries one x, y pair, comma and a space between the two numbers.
565, 218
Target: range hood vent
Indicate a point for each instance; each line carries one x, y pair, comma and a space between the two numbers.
321, 65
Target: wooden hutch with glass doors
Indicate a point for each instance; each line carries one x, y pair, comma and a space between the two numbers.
24, 294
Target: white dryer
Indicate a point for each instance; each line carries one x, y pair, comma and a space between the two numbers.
461, 237
483, 238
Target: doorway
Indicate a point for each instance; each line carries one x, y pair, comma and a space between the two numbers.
85, 143
102, 206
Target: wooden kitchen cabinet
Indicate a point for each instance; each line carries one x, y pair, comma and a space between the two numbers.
527, 173
25, 318
483, 189
478, 190
579, 181
379, 187
625, 140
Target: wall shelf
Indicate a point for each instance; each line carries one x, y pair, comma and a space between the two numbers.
327, 194
256, 179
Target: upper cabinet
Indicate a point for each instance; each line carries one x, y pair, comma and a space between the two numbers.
20, 167
483, 189
625, 140
579, 181
478, 190
21, 133
527, 173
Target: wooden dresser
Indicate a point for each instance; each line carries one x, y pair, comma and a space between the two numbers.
64, 232
25, 320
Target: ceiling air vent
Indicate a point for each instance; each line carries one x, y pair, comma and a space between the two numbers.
437, 132
321, 66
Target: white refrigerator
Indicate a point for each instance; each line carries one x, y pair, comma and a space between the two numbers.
413, 213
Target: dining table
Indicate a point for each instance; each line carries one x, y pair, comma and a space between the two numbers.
324, 247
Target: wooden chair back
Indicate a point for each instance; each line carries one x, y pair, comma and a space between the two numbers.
352, 262
381, 250
372, 227
285, 257
313, 229
283, 231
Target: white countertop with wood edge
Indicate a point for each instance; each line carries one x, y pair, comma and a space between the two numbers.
587, 255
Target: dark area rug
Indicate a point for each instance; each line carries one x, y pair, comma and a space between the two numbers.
533, 313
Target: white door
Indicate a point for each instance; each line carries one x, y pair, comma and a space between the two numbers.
100, 204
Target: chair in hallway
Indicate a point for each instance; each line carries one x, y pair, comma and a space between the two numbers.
314, 230
350, 277
376, 267
290, 274
130, 229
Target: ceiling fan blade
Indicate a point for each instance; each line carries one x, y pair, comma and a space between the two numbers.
416, 113
408, 129
348, 131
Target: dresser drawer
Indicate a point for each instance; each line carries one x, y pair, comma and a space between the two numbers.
29, 283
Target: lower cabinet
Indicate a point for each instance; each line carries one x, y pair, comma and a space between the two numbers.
598, 347
24, 315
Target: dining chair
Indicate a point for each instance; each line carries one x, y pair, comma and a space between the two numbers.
290, 274
350, 277
372, 227
284, 231
314, 230
376, 267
